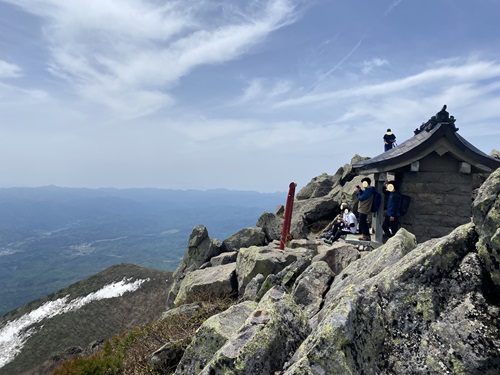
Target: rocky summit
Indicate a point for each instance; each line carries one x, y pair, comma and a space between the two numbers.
402, 307
351, 307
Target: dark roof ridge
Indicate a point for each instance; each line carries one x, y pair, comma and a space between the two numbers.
423, 143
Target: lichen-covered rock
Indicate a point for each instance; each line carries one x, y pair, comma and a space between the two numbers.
264, 260
211, 336
253, 288
271, 333
338, 256
199, 251
423, 312
486, 217
285, 278
310, 287
213, 281
224, 258
252, 236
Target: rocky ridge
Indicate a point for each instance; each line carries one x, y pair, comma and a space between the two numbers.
403, 308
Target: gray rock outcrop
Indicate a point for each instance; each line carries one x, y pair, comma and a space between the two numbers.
402, 308
264, 343
253, 236
272, 225
212, 281
199, 251
264, 260
211, 336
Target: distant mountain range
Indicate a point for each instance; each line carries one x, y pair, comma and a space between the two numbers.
51, 237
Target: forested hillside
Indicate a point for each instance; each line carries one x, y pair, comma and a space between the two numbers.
51, 237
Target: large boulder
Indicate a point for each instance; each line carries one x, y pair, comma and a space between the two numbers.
307, 212
319, 186
338, 256
418, 311
266, 340
211, 336
272, 225
212, 281
199, 251
486, 217
310, 287
253, 236
264, 260
224, 258
285, 278
253, 288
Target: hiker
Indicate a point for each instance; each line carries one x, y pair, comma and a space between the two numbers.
389, 140
342, 226
365, 198
391, 221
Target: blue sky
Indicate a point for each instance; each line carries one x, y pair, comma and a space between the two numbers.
246, 95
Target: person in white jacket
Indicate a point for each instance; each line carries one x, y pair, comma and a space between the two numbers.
345, 225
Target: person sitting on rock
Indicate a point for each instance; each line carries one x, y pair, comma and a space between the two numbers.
347, 224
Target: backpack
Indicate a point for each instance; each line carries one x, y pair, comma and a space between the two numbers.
377, 199
404, 204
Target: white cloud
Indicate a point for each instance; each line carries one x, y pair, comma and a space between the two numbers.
441, 76
14, 334
264, 91
128, 54
8, 70
391, 7
368, 66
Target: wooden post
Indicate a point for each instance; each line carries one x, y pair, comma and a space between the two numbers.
285, 233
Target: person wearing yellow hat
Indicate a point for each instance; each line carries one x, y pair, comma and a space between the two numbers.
389, 140
391, 222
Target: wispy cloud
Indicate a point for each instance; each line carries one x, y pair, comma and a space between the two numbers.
336, 66
391, 7
472, 72
8, 70
368, 66
263, 90
128, 54
15, 333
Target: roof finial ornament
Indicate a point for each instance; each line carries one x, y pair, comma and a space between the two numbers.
441, 117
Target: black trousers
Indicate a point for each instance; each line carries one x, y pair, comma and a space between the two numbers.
363, 224
392, 225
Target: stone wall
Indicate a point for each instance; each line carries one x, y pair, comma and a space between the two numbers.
440, 202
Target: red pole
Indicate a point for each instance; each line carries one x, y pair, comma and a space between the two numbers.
285, 233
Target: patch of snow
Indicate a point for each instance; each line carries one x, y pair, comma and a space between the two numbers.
7, 251
82, 249
14, 334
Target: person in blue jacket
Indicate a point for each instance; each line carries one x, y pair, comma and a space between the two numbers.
365, 198
391, 221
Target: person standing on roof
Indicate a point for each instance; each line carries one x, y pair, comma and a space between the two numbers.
389, 140
365, 198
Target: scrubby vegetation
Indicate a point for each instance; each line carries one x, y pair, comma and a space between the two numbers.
130, 353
